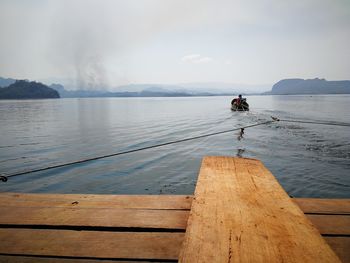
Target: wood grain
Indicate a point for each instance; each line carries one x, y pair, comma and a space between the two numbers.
341, 246
28, 259
91, 244
331, 224
176, 202
323, 206
241, 214
59, 216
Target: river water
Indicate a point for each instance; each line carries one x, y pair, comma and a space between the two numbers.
308, 160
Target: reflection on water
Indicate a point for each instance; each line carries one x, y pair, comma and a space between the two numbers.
240, 152
308, 160
240, 134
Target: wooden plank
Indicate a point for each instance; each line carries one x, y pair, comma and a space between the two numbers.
323, 206
176, 202
60, 216
91, 244
240, 213
341, 246
331, 224
28, 259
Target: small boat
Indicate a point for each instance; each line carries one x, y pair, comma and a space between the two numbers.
244, 106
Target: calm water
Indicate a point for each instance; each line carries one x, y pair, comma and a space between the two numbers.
308, 160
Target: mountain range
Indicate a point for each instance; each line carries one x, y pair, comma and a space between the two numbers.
142, 90
282, 87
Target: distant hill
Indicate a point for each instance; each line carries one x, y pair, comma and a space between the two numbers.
23, 89
144, 93
213, 88
224, 88
134, 90
4, 82
79, 93
310, 86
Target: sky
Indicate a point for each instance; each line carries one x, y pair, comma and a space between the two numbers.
107, 43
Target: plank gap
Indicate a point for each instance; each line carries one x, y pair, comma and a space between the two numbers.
328, 214
91, 258
95, 228
335, 235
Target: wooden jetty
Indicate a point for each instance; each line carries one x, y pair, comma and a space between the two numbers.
239, 213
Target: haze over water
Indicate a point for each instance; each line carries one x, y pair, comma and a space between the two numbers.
308, 160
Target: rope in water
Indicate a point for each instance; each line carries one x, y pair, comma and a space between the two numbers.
317, 122
5, 177
274, 119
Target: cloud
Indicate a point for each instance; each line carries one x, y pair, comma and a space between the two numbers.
196, 59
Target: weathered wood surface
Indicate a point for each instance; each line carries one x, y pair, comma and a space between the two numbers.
25, 219
332, 218
83, 217
329, 216
341, 246
323, 206
241, 214
91, 244
38, 259
176, 202
331, 224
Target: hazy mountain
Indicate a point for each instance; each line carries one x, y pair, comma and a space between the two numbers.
134, 90
195, 88
4, 82
224, 88
156, 90
78, 93
146, 87
23, 89
216, 88
143, 93
57, 87
310, 86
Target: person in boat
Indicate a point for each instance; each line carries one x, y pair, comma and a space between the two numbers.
239, 104
237, 101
